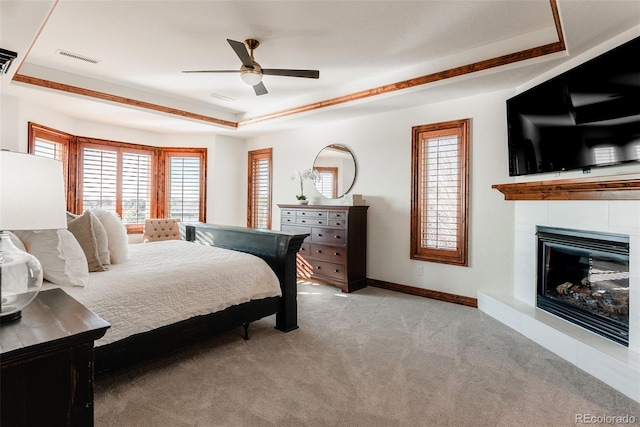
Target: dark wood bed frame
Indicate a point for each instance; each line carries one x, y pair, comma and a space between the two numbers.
278, 249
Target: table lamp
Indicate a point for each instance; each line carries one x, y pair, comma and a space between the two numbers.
32, 197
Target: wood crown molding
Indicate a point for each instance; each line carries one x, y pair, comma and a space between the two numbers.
616, 187
531, 53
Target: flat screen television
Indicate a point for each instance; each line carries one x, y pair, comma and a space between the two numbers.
586, 117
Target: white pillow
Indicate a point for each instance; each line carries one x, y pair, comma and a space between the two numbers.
63, 260
117, 237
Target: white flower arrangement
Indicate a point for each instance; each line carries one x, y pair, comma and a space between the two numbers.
303, 174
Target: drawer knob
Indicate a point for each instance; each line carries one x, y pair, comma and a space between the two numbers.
303, 221
319, 234
336, 271
318, 268
337, 237
337, 223
319, 251
336, 254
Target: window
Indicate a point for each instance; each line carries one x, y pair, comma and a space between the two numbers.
327, 183
118, 177
439, 203
185, 184
126, 178
259, 191
604, 155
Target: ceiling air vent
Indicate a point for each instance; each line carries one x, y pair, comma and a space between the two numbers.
221, 97
6, 57
76, 56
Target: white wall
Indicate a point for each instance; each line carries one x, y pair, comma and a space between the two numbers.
382, 148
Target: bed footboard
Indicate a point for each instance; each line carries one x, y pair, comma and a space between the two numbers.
277, 248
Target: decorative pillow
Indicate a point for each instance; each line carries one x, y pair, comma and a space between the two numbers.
92, 236
118, 240
62, 259
17, 242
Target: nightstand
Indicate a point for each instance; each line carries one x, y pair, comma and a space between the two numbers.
46, 361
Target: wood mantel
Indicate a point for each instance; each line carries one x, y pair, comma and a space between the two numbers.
616, 187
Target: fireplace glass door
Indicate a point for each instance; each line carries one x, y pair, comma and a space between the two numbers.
584, 278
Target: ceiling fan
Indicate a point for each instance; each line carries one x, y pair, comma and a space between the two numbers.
251, 72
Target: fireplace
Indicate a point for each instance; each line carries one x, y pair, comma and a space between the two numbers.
583, 277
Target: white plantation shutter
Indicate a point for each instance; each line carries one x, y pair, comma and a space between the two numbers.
99, 179
136, 187
327, 183
49, 149
184, 188
259, 203
440, 183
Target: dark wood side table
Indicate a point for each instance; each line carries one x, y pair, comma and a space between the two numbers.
46, 360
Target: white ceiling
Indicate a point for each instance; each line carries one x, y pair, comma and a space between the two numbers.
142, 47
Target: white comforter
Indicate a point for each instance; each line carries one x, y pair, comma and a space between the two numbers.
166, 282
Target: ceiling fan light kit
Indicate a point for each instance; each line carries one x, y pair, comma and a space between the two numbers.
251, 76
251, 72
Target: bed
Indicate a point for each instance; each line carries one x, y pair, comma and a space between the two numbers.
175, 292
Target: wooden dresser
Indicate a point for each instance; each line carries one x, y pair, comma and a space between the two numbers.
336, 250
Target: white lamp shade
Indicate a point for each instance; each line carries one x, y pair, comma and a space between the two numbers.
32, 193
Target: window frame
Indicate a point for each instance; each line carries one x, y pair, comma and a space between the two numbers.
163, 199
459, 256
254, 155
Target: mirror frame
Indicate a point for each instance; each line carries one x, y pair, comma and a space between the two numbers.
339, 147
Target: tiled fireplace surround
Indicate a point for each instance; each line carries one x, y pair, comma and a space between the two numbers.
612, 363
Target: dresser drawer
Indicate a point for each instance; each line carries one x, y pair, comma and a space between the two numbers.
311, 214
287, 212
328, 269
311, 221
335, 254
328, 235
288, 220
338, 215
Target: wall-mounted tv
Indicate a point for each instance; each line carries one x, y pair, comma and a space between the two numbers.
586, 117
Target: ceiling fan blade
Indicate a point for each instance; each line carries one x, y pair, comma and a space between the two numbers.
242, 53
260, 89
212, 71
309, 74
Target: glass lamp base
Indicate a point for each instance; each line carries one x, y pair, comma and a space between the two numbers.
10, 317
20, 279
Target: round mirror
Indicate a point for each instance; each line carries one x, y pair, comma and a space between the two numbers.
336, 167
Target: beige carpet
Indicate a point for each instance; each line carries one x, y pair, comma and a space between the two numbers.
371, 358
